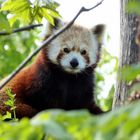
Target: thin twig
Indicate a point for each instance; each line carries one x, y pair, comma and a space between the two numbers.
26, 28
46, 42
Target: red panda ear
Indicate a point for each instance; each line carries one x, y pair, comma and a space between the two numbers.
57, 25
98, 31
50, 29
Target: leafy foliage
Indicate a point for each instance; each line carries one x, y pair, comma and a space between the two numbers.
28, 12
129, 73
57, 124
133, 6
23, 131
13, 49
16, 13
4, 22
107, 67
76, 125
10, 103
7, 116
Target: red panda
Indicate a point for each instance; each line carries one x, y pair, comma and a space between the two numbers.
62, 75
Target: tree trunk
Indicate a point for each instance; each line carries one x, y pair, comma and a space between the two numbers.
128, 51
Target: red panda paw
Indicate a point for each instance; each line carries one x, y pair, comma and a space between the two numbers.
24, 110
94, 109
134, 97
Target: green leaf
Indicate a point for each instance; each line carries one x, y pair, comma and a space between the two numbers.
27, 12
133, 7
52, 129
4, 24
45, 13
12, 20
129, 73
120, 124
8, 102
15, 6
10, 94
25, 16
54, 14
7, 116
20, 10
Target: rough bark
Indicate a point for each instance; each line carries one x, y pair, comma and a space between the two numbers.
128, 50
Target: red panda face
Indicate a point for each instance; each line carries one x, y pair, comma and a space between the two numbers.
74, 50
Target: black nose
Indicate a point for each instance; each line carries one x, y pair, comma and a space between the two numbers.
74, 63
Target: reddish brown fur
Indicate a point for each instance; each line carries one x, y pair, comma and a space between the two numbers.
19, 84
34, 92
60, 56
87, 59
24, 82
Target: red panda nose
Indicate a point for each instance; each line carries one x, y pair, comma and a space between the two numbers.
74, 63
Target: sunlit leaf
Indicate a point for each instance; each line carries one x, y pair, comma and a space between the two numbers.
27, 12
133, 6
119, 124
7, 116
129, 73
19, 10
4, 24
53, 13
15, 6
46, 14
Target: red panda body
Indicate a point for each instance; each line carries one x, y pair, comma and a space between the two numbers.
47, 84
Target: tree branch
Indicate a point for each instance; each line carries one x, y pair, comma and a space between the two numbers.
26, 28
46, 42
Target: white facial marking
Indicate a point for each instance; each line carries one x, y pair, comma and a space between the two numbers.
65, 62
54, 50
93, 50
80, 38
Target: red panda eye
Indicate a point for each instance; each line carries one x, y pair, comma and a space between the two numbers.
83, 52
66, 50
